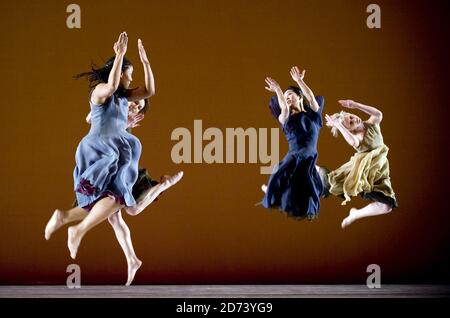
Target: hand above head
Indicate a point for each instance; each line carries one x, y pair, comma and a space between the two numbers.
272, 85
296, 75
120, 47
347, 103
142, 53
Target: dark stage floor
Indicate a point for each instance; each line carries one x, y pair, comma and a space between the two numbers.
227, 291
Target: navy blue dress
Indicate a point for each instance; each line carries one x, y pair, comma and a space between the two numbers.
295, 186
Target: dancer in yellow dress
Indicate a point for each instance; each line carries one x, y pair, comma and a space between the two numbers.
367, 172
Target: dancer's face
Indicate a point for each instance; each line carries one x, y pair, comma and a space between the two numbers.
351, 121
135, 107
126, 77
292, 99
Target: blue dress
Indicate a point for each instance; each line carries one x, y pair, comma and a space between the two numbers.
295, 186
107, 157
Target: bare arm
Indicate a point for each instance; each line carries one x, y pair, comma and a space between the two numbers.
105, 90
273, 86
351, 139
307, 92
88, 118
376, 116
149, 88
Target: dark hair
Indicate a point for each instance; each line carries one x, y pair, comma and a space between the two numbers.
146, 107
299, 92
295, 89
274, 106
100, 75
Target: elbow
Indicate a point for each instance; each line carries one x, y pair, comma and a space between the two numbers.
380, 116
282, 119
112, 87
149, 93
315, 106
377, 118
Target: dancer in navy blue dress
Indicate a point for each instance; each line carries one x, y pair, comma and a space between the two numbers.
295, 186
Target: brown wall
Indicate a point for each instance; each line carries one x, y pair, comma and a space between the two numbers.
210, 59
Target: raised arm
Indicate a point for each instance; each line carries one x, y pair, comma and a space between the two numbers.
351, 139
376, 116
307, 92
149, 88
273, 86
105, 90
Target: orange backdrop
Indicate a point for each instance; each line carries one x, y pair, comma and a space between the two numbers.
210, 59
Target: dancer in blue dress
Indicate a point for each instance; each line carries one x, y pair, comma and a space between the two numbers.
145, 191
295, 186
107, 158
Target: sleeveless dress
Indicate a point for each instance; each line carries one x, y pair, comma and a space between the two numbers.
295, 186
107, 157
367, 172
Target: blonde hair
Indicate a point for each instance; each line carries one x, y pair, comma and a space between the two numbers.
339, 116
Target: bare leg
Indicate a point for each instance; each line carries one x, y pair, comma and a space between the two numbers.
100, 212
124, 237
372, 209
61, 218
153, 193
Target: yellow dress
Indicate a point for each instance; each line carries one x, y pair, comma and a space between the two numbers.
367, 172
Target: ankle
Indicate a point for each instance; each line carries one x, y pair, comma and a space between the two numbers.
60, 216
134, 261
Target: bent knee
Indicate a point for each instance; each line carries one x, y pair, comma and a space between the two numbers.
115, 218
385, 207
131, 211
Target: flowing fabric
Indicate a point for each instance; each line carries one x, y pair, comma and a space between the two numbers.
295, 186
367, 172
107, 157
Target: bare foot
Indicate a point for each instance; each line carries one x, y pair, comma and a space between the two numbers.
132, 269
349, 219
171, 181
73, 241
55, 222
264, 188
154, 192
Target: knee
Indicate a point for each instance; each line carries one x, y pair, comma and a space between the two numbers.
114, 219
131, 211
385, 207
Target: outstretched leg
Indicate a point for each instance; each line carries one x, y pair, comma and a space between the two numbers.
153, 193
61, 218
372, 209
124, 237
100, 212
